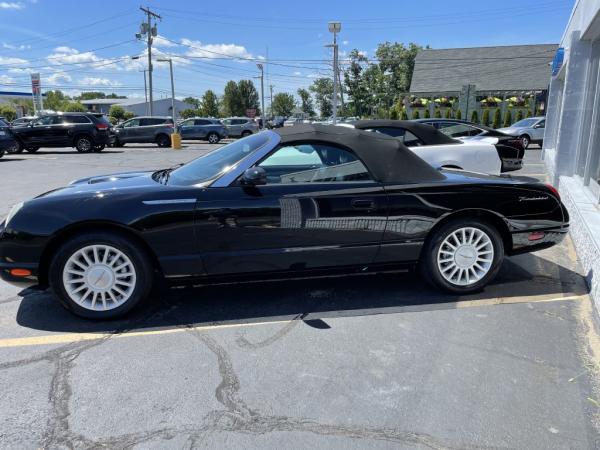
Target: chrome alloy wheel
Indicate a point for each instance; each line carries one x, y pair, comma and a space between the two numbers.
99, 277
465, 256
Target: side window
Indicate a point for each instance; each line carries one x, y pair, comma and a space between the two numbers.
313, 163
410, 140
187, 123
407, 138
76, 119
201, 122
541, 124
132, 123
146, 122
458, 129
46, 120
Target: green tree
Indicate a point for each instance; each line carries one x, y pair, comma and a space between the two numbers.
415, 114
232, 100
117, 112
187, 113
397, 62
485, 118
8, 112
74, 107
497, 118
306, 102
248, 96
427, 114
55, 100
437, 114
458, 114
519, 115
283, 104
474, 117
322, 88
354, 82
210, 104
128, 115
507, 118
192, 101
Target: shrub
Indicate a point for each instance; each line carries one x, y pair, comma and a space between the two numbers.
507, 119
403, 115
8, 112
415, 114
117, 112
529, 113
448, 114
497, 118
74, 107
519, 115
485, 118
474, 117
427, 114
458, 114
394, 114
437, 114
128, 115
113, 120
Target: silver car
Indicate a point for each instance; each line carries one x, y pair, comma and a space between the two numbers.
211, 130
528, 130
240, 126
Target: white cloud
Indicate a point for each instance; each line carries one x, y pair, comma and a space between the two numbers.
5, 79
15, 47
56, 78
345, 42
11, 5
160, 41
98, 81
363, 52
11, 61
196, 48
297, 73
68, 55
314, 75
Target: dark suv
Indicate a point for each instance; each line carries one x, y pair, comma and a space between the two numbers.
84, 131
7, 140
143, 130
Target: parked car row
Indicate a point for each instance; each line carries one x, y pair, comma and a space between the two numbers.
297, 201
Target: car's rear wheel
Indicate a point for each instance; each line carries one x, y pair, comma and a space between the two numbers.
213, 138
246, 133
100, 275
117, 143
463, 256
84, 144
32, 149
98, 148
525, 140
163, 140
18, 147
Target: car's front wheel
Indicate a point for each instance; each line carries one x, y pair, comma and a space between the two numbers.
213, 138
246, 133
17, 147
525, 140
100, 275
463, 256
163, 140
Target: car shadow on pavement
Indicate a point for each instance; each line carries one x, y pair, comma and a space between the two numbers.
312, 300
53, 152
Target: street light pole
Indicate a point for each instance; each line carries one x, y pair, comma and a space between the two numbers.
262, 94
150, 32
170, 61
145, 91
335, 27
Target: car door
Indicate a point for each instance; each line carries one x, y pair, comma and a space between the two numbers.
319, 209
128, 131
38, 133
63, 129
187, 129
201, 128
538, 130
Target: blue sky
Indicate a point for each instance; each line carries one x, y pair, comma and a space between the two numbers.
82, 45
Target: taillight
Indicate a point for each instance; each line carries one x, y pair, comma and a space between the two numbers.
101, 126
553, 190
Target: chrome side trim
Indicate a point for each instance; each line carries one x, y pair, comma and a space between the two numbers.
169, 201
229, 177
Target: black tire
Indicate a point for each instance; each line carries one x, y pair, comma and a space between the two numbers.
162, 140
213, 138
32, 149
117, 143
246, 133
1, 153
98, 148
17, 148
525, 140
429, 256
139, 258
84, 144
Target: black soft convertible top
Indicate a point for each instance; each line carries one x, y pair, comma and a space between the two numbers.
386, 157
427, 133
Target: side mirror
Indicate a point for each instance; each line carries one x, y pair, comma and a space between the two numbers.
254, 176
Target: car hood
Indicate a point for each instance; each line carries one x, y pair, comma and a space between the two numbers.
511, 131
105, 184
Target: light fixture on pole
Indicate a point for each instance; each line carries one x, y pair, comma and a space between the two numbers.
335, 27
262, 93
170, 61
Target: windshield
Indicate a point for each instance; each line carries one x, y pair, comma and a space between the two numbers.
525, 123
217, 162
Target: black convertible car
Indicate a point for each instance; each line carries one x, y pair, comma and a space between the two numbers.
303, 199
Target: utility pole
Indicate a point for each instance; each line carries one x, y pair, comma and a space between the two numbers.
271, 99
150, 32
335, 27
145, 90
262, 94
170, 61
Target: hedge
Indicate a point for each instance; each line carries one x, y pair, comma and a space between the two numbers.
507, 119
497, 118
415, 114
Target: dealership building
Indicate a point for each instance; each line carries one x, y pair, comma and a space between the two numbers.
571, 147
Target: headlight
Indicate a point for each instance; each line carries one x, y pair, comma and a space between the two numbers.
14, 210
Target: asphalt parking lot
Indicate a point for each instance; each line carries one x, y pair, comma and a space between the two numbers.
371, 361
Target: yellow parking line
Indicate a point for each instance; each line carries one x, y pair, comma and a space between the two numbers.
54, 339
